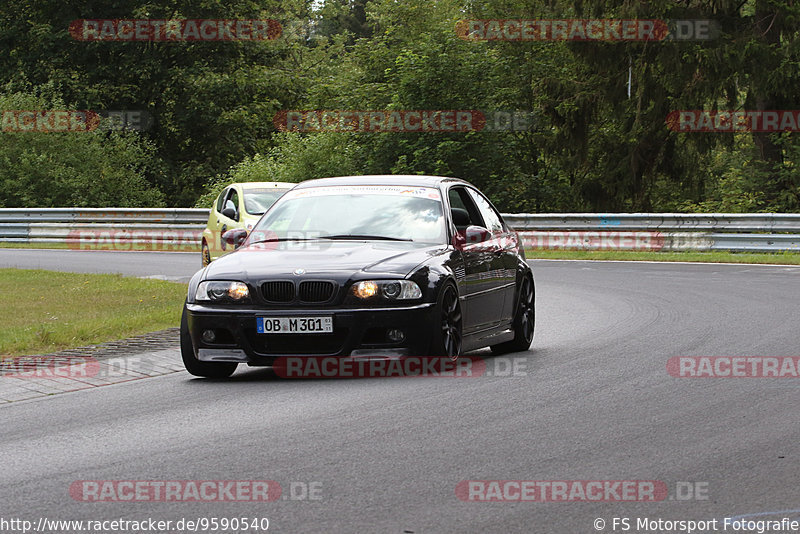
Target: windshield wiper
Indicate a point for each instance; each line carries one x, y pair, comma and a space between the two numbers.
364, 236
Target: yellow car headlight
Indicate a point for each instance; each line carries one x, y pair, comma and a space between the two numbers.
214, 291
387, 289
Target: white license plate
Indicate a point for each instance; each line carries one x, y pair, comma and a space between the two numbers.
294, 325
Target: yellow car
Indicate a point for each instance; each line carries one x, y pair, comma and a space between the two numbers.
238, 206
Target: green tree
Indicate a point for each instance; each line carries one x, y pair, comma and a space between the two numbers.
97, 168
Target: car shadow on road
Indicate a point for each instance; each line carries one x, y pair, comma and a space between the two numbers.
476, 364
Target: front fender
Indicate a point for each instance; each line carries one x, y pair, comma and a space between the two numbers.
193, 283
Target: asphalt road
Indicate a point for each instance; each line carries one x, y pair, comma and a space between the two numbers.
178, 266
593, 402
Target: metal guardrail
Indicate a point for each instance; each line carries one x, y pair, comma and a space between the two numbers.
745, 232
181, 229
671, 222
100, 215
113, 228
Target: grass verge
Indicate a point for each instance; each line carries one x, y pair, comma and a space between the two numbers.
34, 245
786, 258
46, 311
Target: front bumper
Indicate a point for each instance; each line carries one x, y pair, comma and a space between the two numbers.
356, 333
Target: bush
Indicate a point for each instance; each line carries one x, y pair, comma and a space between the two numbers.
739, 182
98, 168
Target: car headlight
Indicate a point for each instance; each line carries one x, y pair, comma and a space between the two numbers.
387, 289
213, 291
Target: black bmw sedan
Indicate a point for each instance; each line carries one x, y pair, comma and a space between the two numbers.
362, 267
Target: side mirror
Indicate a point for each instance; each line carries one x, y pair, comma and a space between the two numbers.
471, 236
235, 237
476, 234
229, 213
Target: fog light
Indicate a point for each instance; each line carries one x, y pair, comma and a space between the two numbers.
209, 336
395, 335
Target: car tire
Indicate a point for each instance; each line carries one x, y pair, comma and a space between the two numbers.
524, 321
195, 366
447, 337
206, 253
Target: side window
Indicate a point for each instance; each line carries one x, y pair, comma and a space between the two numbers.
234, 199
490, 216
221, 200
463, 209
455, 199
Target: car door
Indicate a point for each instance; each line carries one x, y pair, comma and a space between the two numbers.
212, 233
228, 216
504, 255
482, 295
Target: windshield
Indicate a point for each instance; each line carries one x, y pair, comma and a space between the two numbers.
360, 212
258, 200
